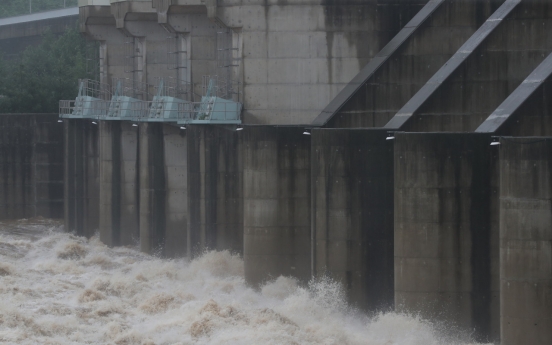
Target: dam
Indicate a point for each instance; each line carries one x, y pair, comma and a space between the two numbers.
399, 148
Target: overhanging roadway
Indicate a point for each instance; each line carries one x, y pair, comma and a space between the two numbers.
35, 24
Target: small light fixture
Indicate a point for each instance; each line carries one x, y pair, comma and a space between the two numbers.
390, 136
495, 141
134, 125
94, 123
182, 127
306, 132
239, 128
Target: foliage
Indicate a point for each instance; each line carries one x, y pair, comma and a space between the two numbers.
43, 74
10, 8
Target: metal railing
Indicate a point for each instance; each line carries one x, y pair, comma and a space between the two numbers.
93, 88
209, 111
93, 109
130, 88
172, 87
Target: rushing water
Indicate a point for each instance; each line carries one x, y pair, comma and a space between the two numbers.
56, 288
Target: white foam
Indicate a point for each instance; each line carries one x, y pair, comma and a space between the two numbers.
56, 288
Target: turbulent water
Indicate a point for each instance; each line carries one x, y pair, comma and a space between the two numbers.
56, 288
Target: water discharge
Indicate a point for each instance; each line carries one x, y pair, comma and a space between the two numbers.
56, 288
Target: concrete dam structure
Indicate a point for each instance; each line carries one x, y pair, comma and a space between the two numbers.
402, 148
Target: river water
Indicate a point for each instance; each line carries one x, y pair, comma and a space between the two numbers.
56, 288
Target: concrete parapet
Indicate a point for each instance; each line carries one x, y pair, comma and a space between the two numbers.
82, 183
215, 184
446, 233
352, 207
526, 241
276, 177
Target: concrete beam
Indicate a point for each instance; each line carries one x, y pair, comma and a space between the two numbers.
429, 89
521, 94
368, 71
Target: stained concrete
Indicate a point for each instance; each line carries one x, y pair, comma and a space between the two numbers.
119, 202
82, 180
489, 73
525, 241
352, 207
152, 187
175, 143
446, 233
31, 166
215, 184
413, 63
276, 192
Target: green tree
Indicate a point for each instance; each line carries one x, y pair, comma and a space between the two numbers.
43, 74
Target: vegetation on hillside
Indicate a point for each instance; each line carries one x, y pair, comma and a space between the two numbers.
43, 74
10, 8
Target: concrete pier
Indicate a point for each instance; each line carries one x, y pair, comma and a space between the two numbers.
119, 203
82, 180
152, 188
525, 241
446, 246
215, 183
175, 158
352, 207
276, 191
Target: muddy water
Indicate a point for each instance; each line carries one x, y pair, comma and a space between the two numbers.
56, 288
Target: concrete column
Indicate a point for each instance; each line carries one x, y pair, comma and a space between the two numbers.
352, 224
152, 188
81, 177
215, 183
446, 238
526, 241
110, 196
276, 203
129, 184
175, 144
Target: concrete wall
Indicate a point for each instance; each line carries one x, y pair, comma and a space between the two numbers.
82, 180
411, 66
215, 184
490, 73
525, 241
276, 191
31, 166
352, 205
446, 245
299, 54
